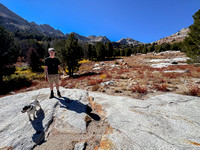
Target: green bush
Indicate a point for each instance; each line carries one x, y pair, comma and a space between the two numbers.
15, 82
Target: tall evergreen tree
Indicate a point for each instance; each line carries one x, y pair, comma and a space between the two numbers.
122, 52
192, 42
109, 49
128, 51
69, 52
100, 51
91, 52
34, 60
9, 51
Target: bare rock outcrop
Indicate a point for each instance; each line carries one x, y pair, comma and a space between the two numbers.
168, 121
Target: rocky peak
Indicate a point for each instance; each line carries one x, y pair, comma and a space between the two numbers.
91, 38
129, 41
98, 39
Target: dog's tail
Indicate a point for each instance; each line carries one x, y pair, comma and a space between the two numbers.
37, 96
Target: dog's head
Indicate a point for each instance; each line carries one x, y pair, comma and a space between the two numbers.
25, 108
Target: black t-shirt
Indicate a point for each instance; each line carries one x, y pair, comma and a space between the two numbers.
52, 64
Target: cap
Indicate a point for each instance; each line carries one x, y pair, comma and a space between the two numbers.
51, 49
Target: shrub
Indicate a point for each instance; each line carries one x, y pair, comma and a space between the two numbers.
116, 63
103, 76
95, 87
15, 82
194, 90
95, 81
161, 87
171, 75
108, 75
139, 89
84, 61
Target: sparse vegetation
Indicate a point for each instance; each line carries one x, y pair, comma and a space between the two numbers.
139, 88
130, 75
194, 90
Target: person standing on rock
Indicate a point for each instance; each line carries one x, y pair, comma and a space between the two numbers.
52, 66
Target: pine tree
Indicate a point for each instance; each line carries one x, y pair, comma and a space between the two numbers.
100, 51
69, 52
128, 51
122, 52
34, 60
9, 51
192, 42
90, 52
109, 49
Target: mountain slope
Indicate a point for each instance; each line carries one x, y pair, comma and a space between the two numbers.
177, 37
13, 22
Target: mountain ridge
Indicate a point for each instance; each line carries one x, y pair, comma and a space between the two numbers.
13, 22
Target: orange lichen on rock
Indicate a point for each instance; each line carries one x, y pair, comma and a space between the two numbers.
109, 130
194, 143
104, 145
95, 106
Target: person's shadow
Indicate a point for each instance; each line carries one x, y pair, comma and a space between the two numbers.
39, 136
77, 106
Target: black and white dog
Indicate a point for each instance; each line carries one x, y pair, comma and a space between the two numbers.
31, 109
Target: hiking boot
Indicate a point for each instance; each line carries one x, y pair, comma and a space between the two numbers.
58, 93
51, 95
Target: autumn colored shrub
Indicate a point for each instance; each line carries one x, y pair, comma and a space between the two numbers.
95, 87
172, 75
139, 89
121, 71
95, 81
103, 76
161, 87
118, 77
150, 75
194, 90
108, 75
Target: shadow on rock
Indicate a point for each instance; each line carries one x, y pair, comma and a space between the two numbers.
39, 135
77, 106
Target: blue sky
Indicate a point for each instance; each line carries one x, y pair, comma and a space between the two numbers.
143, 20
